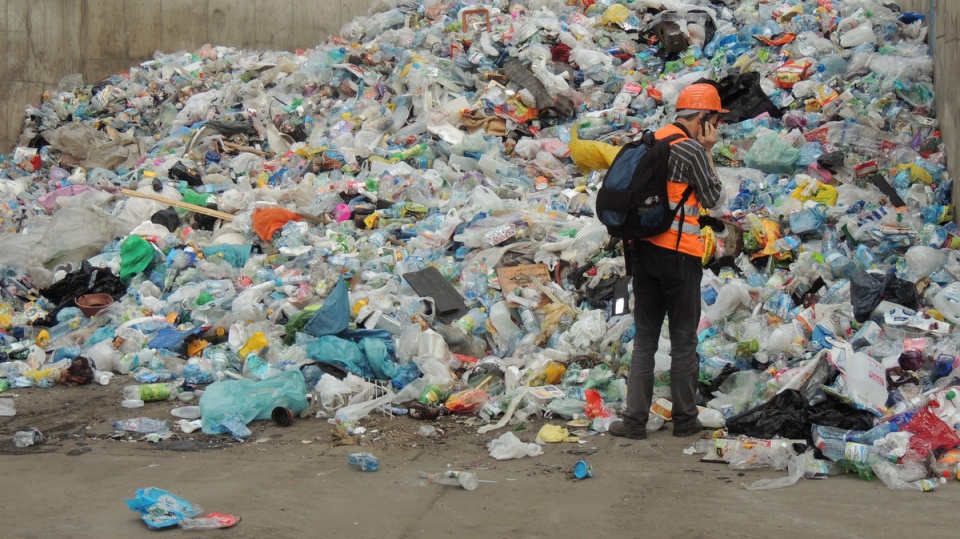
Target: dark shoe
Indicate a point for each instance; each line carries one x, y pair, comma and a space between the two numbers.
617, 428
683, 432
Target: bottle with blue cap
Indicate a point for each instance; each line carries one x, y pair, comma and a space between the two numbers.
832, 65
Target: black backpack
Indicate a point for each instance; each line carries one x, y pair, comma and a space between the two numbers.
632, 201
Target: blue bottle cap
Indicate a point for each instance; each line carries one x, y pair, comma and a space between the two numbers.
212, 157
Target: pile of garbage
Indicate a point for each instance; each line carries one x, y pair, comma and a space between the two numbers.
402, 219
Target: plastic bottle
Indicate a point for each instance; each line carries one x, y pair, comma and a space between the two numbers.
902, 477
502, 322
367, 462
235, 425
840, 265
529, 320
26, 438
213, 521
151, 392
142, 425
831, 66
467, 480
60, 330
475, 321
947, 465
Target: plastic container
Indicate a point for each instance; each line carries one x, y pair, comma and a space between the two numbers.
26, 438
92, 304
366, 462
7, 407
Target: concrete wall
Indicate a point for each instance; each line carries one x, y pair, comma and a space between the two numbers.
44, 40
946, 47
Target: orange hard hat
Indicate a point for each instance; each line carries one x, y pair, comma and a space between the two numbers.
700, 97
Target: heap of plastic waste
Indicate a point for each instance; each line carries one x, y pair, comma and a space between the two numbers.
411, 202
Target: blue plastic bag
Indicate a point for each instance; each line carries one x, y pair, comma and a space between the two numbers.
172, 338
251, 399
161, 509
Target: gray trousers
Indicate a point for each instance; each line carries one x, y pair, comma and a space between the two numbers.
665, 283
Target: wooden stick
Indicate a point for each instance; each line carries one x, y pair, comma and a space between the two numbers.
176, 203
239, 148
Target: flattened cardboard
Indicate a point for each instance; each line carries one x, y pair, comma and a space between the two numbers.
513, 276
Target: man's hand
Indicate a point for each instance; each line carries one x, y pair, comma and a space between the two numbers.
707, 136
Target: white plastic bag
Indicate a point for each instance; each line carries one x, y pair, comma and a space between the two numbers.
509, 446
332, 391
795, 469
354, 412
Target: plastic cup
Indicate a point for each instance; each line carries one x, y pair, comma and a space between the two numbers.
582, 469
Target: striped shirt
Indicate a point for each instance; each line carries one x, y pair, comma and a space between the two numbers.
690, 164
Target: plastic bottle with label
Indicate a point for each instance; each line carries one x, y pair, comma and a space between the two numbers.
456, 478
151, 392
475, 321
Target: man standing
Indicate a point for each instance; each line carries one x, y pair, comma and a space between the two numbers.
667, 270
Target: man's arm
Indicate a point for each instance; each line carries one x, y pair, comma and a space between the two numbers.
700, 172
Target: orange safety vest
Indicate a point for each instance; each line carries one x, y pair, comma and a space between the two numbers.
690, 242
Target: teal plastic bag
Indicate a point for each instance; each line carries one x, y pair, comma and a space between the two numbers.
235, 255
378, 357
769, 154
334, 315
252, 399
340, 352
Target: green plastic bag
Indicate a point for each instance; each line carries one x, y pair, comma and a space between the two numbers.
136, 254
769, 154
252, 399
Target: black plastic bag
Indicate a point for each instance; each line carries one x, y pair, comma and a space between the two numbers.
833, 413
866, 292
831, 160
708, 391
785, 415
86, 280
743, 96
180, 172
789, 415
167, 218
902, 292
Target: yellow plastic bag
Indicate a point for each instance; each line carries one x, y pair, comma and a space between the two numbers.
825, 194
614, 14
917, 173
709, 239
552, 434
766, 232
591, 155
